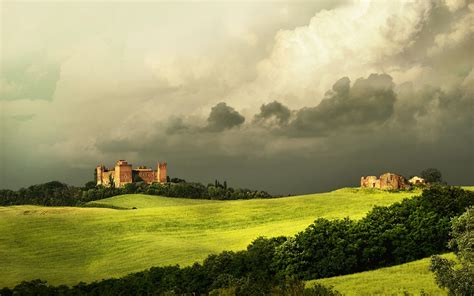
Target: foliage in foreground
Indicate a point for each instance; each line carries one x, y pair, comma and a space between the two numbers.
405, 231
59, 194
459, 280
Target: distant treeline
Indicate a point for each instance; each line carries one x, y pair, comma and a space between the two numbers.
409, 230
59, 194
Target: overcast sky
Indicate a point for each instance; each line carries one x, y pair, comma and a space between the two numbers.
289, 97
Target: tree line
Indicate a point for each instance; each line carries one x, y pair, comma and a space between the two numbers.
405, 231
59, 194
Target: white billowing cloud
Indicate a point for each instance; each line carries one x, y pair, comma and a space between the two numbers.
455, 5
353, 40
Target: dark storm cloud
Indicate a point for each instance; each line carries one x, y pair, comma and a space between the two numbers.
176, 125
273, 111
368, 101
415, 127
223, 117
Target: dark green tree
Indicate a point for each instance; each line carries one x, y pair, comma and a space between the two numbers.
432, 175
89, 185
111, 182
459, 280
136, 178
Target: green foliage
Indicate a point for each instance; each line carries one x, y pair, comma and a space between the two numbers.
320, 290
402, 232
136, 178
459, 280
111, 182
89, 185
59, 194
49, 194
432, 175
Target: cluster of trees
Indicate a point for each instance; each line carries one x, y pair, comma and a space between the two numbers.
170, 280
178, 188
59, 194
48, 194
412, 229
405, 231
458, 277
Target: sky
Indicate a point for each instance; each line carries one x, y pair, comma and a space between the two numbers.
290, 97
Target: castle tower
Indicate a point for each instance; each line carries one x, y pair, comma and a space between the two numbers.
99, 174
161, 172
123, 173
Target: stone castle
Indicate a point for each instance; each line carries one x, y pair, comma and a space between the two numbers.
123, 173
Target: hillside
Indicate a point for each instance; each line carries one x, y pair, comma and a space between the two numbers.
65, 245
401, 279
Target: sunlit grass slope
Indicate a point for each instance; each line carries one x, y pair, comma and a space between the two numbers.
411, 278
65, 245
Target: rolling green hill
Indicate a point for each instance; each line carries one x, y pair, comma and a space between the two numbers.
65, 245
411, 278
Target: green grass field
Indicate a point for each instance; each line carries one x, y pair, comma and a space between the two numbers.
65, 245
409, 278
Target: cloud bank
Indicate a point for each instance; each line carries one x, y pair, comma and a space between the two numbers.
307, 100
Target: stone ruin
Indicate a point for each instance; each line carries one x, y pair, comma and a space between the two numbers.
387, 181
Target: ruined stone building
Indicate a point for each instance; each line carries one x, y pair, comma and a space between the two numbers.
123, 173
387, 181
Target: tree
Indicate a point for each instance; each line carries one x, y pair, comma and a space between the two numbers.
458, 280
432, 175
136, 178
177, 180
111, 181
89, 185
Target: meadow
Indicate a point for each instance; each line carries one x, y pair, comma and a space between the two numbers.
411, 278
66, 245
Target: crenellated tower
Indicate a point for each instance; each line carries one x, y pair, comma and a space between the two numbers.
123, 173
99, 171
161, 172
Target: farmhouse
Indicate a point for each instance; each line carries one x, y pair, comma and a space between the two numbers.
123, 173
417, 180
387, 181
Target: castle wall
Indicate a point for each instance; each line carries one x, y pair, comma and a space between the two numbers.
106, 178
147, 175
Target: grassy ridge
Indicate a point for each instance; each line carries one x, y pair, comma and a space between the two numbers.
412, 278
65, 245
